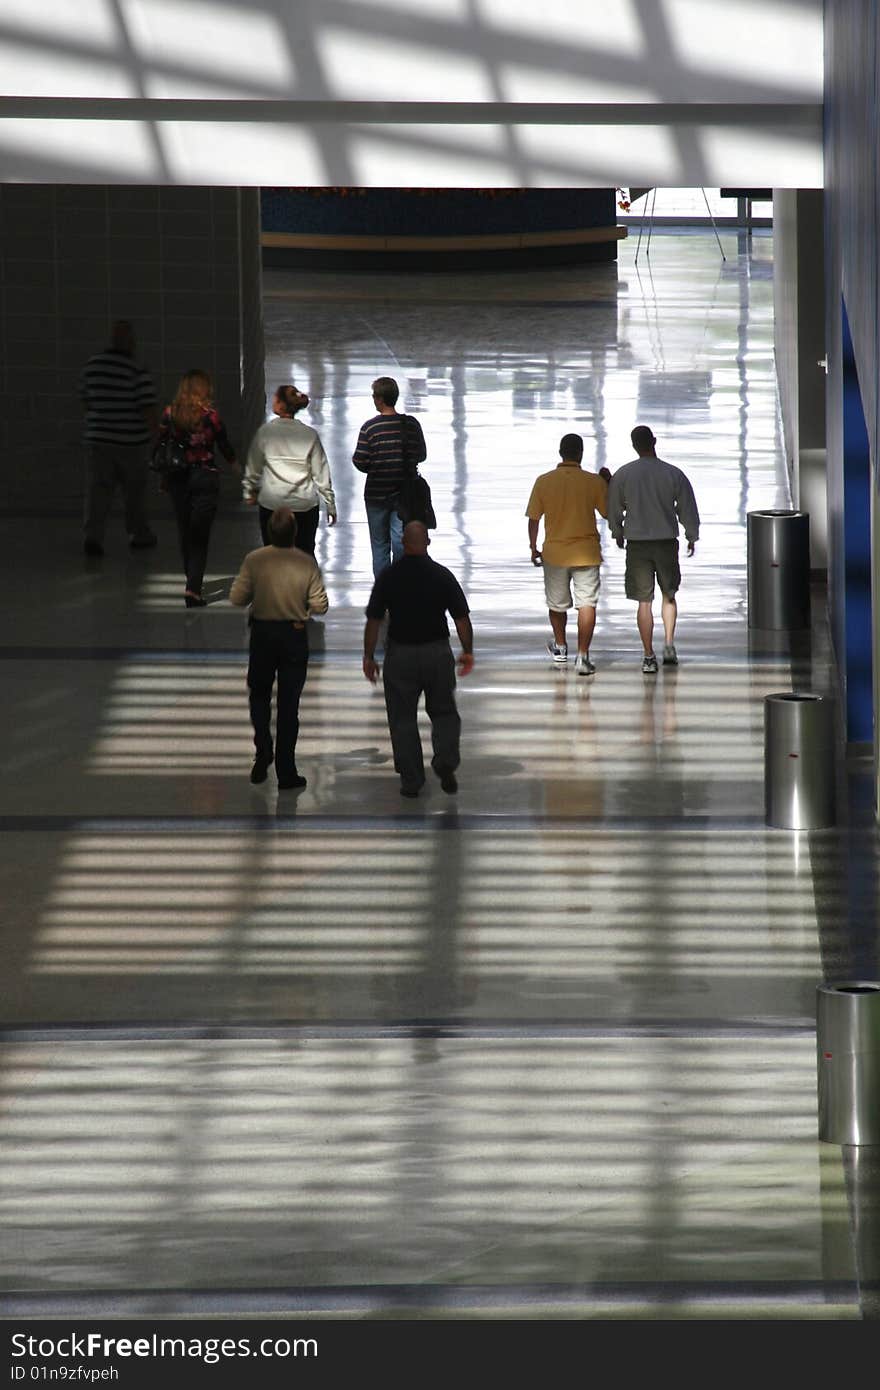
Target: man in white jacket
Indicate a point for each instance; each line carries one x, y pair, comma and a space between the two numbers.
287, 467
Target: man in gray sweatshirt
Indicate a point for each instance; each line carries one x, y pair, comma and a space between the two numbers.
647, 501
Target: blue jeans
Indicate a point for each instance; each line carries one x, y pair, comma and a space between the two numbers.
386, 534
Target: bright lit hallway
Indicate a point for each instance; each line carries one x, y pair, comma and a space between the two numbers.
542, 1050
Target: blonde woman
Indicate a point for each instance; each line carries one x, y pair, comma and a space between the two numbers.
287, 467
194, 490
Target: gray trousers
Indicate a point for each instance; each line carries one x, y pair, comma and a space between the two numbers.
409, 671
109, 466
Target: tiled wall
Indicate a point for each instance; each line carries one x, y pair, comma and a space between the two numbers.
73, 259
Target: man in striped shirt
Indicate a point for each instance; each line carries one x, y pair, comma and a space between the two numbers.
121, 420
388, 446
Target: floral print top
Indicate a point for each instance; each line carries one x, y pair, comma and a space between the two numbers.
200, 443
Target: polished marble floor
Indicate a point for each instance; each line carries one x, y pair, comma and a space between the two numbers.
545, 1049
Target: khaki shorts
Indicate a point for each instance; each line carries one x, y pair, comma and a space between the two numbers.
644, 560
560, 581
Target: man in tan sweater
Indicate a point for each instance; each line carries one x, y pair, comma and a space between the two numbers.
284, 588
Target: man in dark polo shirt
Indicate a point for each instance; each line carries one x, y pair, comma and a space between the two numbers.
417, 593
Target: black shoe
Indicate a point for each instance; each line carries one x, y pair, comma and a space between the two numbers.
143, 542
260, 770
411, 792
93, 548
290, 784
448, 779
195, 601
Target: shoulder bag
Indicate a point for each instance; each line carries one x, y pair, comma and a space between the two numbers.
169, 454
414, 497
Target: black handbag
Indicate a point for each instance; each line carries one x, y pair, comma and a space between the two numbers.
414, 502
168, 456
414, 496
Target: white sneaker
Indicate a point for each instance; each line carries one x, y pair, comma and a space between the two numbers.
649, 665
670, 655
559, 654
583, 666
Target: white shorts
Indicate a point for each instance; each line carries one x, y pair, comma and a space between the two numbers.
560, 582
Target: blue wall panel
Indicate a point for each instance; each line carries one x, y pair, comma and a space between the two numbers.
852, 216
855, 638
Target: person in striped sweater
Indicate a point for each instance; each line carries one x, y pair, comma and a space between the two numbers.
388, 446
121, 420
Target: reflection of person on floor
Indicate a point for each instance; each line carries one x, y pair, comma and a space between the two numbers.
283, 586
287, 467
647, 501
195, 490
388, 447
121, 420
417, 593
568, 499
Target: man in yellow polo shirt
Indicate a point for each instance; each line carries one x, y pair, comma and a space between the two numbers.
568, 499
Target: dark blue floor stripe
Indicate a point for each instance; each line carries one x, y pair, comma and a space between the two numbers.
431, 820
142, 654
613, 657
356, 1298
463, 1030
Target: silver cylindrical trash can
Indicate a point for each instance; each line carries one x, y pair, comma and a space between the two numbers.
848, 1062
799, 783
778, 546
